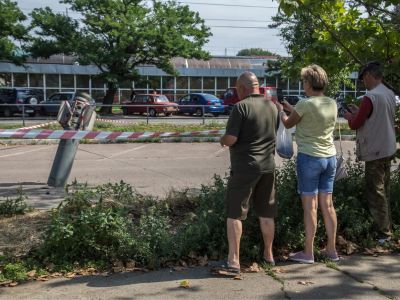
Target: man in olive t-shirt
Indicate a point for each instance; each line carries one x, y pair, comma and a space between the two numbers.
250, 135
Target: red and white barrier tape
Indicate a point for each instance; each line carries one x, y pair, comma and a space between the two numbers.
39, 125
116, 121
100, 135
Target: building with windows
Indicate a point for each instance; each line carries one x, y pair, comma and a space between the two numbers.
62, 73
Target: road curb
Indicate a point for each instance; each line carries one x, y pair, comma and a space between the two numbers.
7, 142
153, 140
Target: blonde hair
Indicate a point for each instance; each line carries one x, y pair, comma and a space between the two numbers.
315, 76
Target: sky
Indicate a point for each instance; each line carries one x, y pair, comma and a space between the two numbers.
235, 24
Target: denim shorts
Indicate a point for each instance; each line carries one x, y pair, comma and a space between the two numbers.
315, 174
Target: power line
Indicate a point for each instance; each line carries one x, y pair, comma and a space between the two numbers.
245, 27
241, 20
226, 5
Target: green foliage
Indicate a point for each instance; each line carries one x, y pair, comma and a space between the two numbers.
112, 222
117, 36
154, 242
203, 231
14, 271
340, 35
255, 52
289, 229
107, 223
394, 195
84, 229
14, 206
166, 127
354, 221
11, 30
92, 233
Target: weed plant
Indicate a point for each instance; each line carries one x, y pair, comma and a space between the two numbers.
14, 206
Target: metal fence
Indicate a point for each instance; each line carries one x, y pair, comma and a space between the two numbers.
24, 111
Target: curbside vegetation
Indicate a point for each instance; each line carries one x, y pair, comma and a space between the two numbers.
114, 228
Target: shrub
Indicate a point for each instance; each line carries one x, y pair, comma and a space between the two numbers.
114, 222
14, 206
289, 223
83, 229
154, 242
92, 234
14, 271
354, 221
203, 230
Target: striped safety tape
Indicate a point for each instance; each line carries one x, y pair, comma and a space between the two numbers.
100, 135
40, 125
116, 121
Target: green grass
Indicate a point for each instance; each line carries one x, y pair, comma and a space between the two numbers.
139, 127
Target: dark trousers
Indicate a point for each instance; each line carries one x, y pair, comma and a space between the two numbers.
377, 184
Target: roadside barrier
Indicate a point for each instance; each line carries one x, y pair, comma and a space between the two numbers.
101, 135
40, 125
116, 121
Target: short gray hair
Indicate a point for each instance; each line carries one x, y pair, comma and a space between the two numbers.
315, 76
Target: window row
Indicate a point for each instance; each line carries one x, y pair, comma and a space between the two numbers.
165, 84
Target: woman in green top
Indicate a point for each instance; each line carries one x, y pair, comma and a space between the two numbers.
315, 119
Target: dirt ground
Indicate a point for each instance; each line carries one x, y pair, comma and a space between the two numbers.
20, 233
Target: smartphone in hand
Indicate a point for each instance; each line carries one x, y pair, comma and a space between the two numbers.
345, 107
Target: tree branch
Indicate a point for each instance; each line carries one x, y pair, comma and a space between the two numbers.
376, 7
334, 36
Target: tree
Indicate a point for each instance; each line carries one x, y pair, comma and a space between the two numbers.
255, 52
119, 35
11, 31
341, 35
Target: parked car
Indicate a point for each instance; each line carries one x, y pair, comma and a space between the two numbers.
230, 97
52, 105
153, 103
15, 96
212, 105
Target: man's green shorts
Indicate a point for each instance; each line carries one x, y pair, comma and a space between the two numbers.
257, 190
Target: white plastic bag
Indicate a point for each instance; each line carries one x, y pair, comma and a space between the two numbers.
341, 168
284, 142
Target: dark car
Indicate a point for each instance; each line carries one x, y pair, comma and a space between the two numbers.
190, 104
16, 96
52, 105
154, 104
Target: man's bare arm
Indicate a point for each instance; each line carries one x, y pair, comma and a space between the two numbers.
228, 140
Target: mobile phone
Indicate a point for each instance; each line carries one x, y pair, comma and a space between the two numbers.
344, 106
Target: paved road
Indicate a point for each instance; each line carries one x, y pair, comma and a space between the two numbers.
152, 168
357, 277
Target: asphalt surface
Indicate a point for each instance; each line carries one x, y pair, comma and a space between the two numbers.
152, 168
356, 277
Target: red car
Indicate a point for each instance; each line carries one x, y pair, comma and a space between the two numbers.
154, 104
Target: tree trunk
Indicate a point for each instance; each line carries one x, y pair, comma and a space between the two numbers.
108, 98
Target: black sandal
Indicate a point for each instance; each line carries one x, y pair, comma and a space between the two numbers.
226, 267
268, 262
